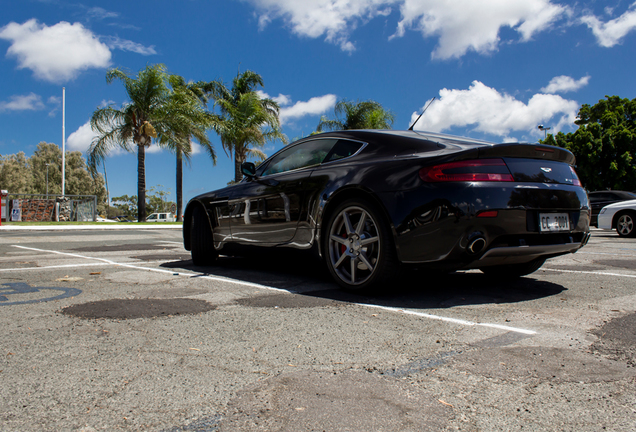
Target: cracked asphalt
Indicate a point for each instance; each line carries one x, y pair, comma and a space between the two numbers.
117, 330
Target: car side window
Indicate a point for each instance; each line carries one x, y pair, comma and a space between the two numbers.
301, 155
343, 149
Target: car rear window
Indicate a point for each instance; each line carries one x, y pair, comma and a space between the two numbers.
540, 171
343, 149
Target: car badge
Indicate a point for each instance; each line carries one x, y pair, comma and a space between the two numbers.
546, 169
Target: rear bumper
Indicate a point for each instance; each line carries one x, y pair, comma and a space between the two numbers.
443, 229
520, 254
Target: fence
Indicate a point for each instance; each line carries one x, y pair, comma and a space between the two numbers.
43, 208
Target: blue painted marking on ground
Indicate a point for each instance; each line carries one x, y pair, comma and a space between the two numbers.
20, 288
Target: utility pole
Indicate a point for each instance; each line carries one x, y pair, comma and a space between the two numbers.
47, 180
63, 140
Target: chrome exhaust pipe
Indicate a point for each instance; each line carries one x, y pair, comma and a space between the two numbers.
476, 245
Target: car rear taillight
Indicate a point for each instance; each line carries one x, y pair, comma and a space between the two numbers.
476, 170
575, 178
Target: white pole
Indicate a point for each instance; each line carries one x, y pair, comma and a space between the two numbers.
63, 140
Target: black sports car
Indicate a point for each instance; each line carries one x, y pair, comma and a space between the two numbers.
370, 201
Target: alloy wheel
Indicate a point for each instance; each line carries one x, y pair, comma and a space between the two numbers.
625, 225
354, 245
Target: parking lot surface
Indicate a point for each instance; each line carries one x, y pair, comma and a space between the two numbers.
117, 330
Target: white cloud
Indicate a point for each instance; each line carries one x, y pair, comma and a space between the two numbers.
196, 148
333, 19
489, 111
153, 149
464, 25
126, 45
57, 53
81, 140
101, 13
30, 102
281, 99
460, 25
56, 101
563, 84
611, 32
314, 106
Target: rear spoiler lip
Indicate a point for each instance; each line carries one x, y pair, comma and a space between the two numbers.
530, 151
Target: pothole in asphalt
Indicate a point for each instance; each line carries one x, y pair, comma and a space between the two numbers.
286, 301
617, 339
542, 363
138, 308
335, 401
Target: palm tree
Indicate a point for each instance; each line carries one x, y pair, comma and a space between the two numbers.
359, 115
134, 125
246, 121
188, 118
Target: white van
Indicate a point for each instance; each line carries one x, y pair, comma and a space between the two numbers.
161, 217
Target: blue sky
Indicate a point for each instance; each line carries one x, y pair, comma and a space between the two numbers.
498, 68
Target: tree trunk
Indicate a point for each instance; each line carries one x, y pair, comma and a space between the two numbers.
141, 183
238, 175
179, 186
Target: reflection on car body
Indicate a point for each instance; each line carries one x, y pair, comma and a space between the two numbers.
371, 201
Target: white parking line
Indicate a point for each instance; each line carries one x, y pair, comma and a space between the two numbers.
68, 266
107, 261
259, 286
589, 272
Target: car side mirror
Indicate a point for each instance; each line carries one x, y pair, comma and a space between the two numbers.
248, 169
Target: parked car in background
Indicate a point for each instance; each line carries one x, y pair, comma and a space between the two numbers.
161, 217
620, 216
103, 219
600, 199
370, 201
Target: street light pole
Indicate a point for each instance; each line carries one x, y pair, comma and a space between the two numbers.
47, 180
544, 129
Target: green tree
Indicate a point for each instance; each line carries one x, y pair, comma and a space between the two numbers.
47, 154
604, 144
28, 175
357, 115
79, 179
135, 124
189, 120
15, 174
246, 121
126, 205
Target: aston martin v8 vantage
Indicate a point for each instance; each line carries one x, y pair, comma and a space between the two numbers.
371, 201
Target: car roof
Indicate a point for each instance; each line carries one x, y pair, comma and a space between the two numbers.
404, 136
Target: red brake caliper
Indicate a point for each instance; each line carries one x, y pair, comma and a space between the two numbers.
343, 248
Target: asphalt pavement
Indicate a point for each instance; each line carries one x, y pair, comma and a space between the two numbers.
111, 329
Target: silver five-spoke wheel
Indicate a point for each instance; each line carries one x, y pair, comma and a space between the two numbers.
625, 225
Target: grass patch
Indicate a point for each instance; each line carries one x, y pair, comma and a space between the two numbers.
89, 223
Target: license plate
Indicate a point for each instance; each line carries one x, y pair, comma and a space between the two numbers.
554, 222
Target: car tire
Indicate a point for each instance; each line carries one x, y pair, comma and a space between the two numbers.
359, 248
201, 242
514, 270
626, 224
